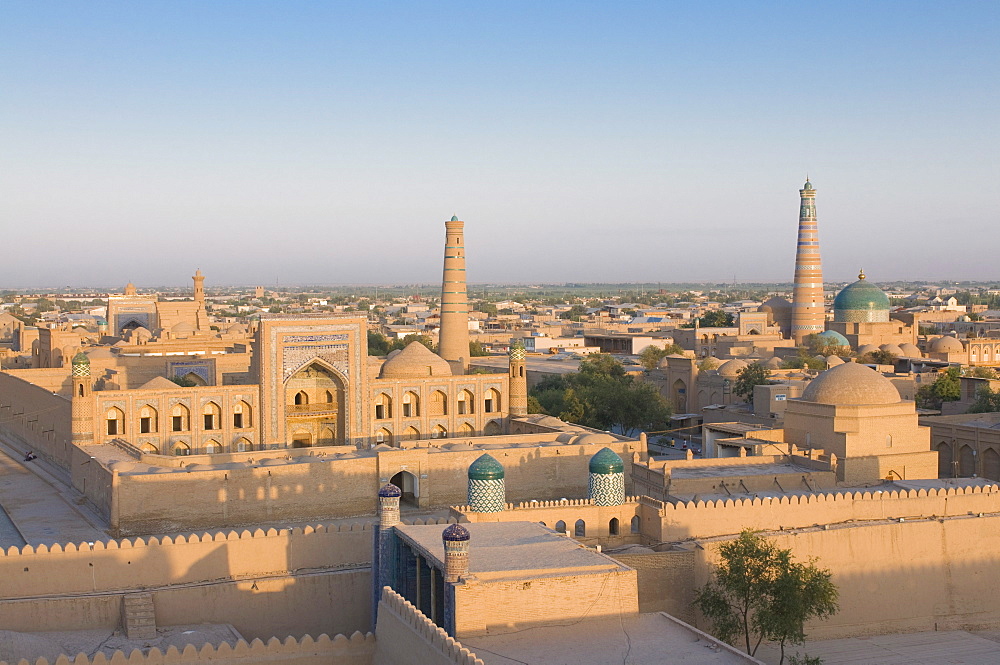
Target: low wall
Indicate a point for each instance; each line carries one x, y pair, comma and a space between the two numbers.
664, 581
407, 637
357, 649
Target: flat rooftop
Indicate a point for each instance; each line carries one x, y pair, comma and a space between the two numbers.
954, 647
645, 638
512, 550
685, 472
985, 420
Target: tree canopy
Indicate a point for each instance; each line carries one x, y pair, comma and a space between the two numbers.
758, 592
603, 396
946, 388
752, 375
651, 356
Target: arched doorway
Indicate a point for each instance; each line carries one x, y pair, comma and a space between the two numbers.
678, 393
409, 485
314, 406
991, 464
944, 461
966, 462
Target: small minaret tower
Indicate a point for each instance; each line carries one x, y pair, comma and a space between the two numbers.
807, 298
453, 342
456, 564
130, 289
607, 478
384, 544
199, 286
82, 403
487, 493
517, 381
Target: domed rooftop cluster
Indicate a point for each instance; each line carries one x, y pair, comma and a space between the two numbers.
606, 461
946, 344
486, 467
861, 302
455, 533
851, 384
415, 361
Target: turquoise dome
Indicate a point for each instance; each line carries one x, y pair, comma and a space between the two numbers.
454, 218
486, 468
808, 186
606, 461
861, 296
833, 338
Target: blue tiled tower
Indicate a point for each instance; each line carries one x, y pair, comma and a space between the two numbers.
456, 564
487, 493
607, 478
384, 544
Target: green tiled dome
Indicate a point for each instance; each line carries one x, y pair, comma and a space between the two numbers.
606, 461
81, 359
861, 296
486, 468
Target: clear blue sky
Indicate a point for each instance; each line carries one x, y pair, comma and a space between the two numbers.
327, 142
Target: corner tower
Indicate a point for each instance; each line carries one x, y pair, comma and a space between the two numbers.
453, 342
807, 299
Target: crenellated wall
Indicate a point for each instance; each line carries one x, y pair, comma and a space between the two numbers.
357, 649
407, 637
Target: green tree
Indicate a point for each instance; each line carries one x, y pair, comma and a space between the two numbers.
987, 401
946, 388
758, 592
651, 356
803, 361
476, 349
574, 313
716, 319
879, 357
378, 344
752, 375
183, 381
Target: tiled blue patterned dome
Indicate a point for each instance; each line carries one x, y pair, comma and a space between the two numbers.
390, 490
861, 296
455, 533
833, 338
606, 461
486, 468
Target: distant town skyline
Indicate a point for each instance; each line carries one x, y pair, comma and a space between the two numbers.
579, 142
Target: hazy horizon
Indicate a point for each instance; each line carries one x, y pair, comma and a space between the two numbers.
315, 143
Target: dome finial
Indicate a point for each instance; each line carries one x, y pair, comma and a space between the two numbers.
861, 274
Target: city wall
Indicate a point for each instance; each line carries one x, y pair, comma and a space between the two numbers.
34, 417
321, 488
357, 649
664, 580
407, 637
279, 582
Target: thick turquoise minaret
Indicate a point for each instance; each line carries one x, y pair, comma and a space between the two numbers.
607, 478
487, 493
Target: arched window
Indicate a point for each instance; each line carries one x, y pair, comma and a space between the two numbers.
613, 526
888, 440
383, 407
243, 446
181, 449
466, 430
326, 437
301, 398
383, 436
492, 402
411, 405
147, 420
213, 447
411, 434
116, 422
636, 525
439, 404
466, 403
149, 448
492, 428
180, 418
580, 529
329, 397
212, 414
439, 432
561, 526
241, 415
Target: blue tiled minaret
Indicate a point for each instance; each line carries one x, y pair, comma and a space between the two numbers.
487, 493
607, 478
384, 544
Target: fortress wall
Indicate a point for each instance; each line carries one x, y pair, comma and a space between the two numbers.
664, 580
120, 565
900, 577
357, 649
34, 418
330, 488
508, 606
407, 637
597, 519
706, 519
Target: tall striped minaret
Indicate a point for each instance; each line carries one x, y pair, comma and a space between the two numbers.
807, 298
453, 341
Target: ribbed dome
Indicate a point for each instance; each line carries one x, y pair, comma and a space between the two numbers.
851, 384
486, 468
415, 361
946, 344
834, 338
861, 296
390, 490
455, 533
606, 461
731, 368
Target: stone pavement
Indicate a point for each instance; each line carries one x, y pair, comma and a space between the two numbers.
954, 647
39, 509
